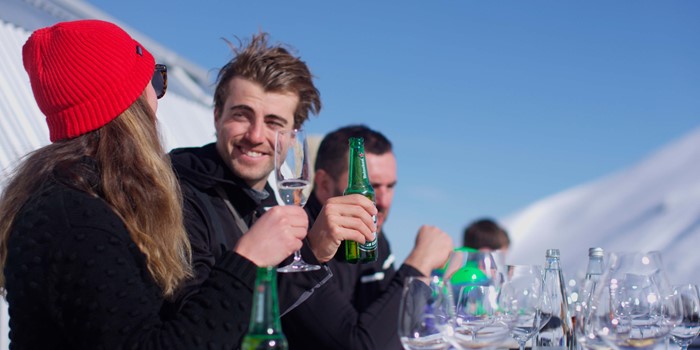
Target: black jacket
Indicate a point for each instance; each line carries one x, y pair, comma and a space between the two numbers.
76, 280
357, 309
212, 227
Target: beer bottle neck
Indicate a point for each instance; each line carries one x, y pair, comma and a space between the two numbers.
265, 316
357, 166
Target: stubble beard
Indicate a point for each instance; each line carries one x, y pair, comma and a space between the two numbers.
251, 175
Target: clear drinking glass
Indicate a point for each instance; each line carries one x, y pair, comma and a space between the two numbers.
685, 331
293, 175
469, 267
523, 297
425, 313
632, 307
476, 281
480, 322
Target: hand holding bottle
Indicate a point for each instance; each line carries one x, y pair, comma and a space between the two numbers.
431, 251
342, 218
359, 183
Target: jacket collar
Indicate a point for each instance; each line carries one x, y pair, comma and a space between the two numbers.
203, 168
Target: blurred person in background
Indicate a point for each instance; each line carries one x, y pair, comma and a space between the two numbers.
359, 306
485, 234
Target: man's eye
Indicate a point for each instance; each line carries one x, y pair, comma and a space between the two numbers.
275, 125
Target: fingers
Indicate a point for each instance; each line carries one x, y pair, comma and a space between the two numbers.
287, 215
356, 200
358, 227
432, 249
338, 209
274, 236
342, 218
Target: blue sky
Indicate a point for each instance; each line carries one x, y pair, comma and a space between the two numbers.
491, 105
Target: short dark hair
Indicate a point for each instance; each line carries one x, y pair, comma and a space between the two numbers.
276, 69
333, 150
485, 233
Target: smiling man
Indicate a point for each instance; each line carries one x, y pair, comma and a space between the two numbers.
246, 124
262, 90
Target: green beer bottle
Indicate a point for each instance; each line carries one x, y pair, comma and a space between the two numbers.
358, 182
265, 329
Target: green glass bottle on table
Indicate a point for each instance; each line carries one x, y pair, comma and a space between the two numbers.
265, 329
358, 182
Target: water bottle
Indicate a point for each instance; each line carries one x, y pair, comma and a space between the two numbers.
558, 333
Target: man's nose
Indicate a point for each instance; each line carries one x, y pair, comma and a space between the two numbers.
255, 132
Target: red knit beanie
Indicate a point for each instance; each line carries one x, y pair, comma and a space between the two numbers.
84, 74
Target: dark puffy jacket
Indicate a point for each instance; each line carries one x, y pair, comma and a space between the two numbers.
357, 309
213, 229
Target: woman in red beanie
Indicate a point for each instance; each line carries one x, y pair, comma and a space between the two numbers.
91, 233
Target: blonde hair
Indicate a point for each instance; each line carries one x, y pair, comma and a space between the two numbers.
131, 173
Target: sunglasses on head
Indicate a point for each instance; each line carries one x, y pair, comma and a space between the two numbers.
160, 80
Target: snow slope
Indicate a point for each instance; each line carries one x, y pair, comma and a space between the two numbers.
654, 205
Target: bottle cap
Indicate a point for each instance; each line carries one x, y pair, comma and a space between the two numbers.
552, 253
597, 252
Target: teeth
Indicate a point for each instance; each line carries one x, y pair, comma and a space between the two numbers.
253, 154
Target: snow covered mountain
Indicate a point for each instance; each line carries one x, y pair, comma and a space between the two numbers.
654, 205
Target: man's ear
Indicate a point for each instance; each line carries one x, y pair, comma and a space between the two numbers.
216, 122
324, 186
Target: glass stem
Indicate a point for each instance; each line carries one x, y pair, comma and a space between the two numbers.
297, 255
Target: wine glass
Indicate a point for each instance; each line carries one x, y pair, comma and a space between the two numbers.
467, 266
292, 172
632, 306
480, 322
688, 328
476, 281
425, 313
523, 297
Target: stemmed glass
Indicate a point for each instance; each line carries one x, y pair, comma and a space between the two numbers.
632, 305
425, 313
688, 328
292, 172
476, 282
469, 267
522, 297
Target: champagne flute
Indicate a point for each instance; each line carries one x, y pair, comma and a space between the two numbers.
292, 172
688, 328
